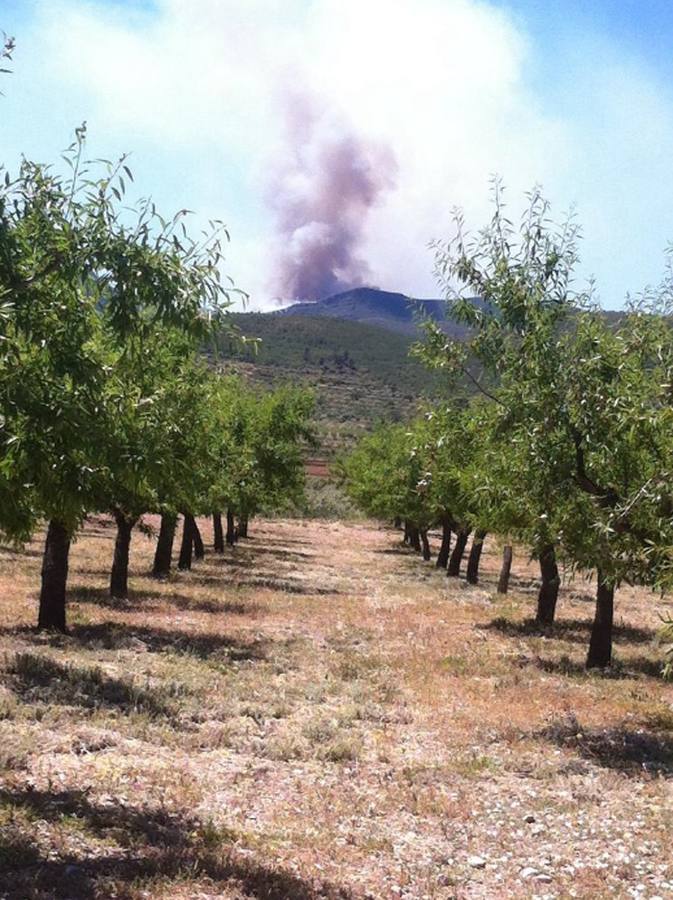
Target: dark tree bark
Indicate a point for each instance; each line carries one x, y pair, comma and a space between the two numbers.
445, 549
243, 526
548, 593
231, 528
415, 538
503, 581
456, 559
54, 578
199, 549
164, 551
475, 557
397, 523
407, 532
185, 559
600, 645
218, 534
425, 543
119, 576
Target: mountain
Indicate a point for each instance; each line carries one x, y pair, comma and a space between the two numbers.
385, 309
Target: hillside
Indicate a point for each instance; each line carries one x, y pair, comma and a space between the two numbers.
360, 372
392, 311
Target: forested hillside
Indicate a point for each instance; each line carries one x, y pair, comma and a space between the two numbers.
360, 373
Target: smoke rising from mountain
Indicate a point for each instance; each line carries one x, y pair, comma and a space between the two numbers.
321, 197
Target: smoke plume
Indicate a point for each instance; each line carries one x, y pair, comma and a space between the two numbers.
321, 197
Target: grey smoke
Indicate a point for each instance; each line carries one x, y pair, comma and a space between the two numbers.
321, 198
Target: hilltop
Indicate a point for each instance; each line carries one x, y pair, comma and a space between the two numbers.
384, 309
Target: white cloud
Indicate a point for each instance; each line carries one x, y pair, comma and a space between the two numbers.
445, 83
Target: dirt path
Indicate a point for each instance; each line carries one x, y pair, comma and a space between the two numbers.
318, 713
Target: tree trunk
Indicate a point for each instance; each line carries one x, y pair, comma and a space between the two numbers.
397, 522
199, 549
407, 532
119, 576
243, 526
548, 594
231, 529
600, 645
164, 551
475, 557
503, 581
185, 560
425, 544
218, 534
415, 538
54, 578
445, 549
462, 536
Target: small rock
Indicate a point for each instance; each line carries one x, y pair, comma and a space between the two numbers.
476, 862
543, 878
528, 872
529, 818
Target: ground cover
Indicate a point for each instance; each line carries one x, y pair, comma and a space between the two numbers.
318, 713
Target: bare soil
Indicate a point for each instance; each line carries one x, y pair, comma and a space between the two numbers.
318, 713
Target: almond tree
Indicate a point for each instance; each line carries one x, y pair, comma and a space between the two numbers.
588, 406
385, 477
76, 284
259, 451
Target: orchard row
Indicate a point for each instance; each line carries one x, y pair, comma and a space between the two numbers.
565, 443
106, 400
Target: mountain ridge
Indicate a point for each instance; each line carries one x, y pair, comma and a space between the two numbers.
385, 309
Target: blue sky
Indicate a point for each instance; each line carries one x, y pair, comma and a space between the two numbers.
574, 95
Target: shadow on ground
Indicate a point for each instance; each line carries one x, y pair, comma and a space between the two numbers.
632, 667
123, 636
636, 752
143, 846
572, 630
208, 576
36, 678
140, 599
17, 552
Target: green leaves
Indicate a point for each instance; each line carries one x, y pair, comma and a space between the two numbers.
87, 298
576, 449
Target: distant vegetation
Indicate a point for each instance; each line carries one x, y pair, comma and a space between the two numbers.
360, 373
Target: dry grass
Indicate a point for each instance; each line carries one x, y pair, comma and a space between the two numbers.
317, 713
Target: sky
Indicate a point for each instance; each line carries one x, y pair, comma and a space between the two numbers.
334, 137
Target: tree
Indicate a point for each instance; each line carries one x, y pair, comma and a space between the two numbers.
445, 445
78, 288
586, 405
384, 476
258, 451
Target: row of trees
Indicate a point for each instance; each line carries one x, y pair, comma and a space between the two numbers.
567, 443
105, 401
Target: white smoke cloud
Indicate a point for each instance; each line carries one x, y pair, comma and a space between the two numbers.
445, 85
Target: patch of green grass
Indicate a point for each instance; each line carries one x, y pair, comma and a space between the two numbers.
474, 764
455, 665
